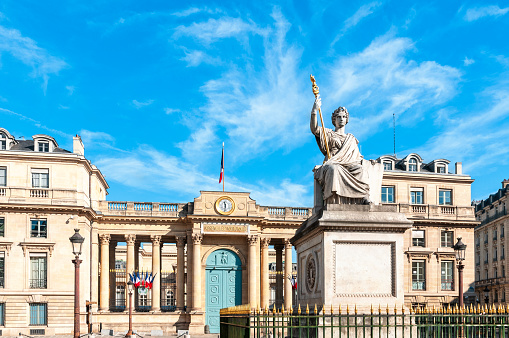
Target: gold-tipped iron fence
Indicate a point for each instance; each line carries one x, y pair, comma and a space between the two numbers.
347, 322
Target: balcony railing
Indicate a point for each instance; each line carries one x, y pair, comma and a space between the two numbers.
3, 192
493, 217
419, 285
431, 211
447, 285
38, 283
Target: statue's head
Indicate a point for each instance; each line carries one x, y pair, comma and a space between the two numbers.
340, 112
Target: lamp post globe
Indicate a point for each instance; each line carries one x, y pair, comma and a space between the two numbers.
77, 243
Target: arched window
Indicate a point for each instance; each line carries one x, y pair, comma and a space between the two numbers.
3, 141
412, 164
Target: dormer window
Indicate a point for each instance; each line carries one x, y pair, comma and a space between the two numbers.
43, 147
412, 164
3, 141
387, 165
441, 169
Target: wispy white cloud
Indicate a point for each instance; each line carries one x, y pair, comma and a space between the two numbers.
473, 14
63, 107
260, 111
70, 89
26, 50
467, 61
195, 58
36, 123
389, 81
141, 104
213, 30
195, 10
361, 13
170, 111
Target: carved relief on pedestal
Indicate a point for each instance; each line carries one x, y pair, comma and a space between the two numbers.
310, 274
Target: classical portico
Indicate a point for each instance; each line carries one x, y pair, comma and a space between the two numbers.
222, 259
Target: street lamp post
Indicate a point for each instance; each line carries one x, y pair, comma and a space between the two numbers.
459, 249
77, 242
130, 286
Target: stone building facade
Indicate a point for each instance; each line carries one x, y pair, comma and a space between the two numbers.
220, 249
491, 284
438, 201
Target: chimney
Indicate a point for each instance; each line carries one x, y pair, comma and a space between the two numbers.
505, 183
459, 168
77, 146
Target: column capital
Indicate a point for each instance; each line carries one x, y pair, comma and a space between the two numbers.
264, 241
156, 239
130, 239
252, 239
288, 244
278, 247
104, 239
181, 240
197, 238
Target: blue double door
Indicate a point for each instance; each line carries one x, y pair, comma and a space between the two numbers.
223, 285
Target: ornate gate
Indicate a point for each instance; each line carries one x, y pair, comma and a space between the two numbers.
223, 285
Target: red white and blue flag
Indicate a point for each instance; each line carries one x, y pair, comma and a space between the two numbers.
221, 175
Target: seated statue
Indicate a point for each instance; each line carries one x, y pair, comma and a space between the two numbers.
345, 176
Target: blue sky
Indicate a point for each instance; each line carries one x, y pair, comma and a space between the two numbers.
155, 87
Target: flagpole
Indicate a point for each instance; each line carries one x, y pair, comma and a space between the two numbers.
223, 166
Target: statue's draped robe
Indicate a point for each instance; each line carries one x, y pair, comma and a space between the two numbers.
342, 174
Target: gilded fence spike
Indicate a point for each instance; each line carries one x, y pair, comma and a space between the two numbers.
403, 309
274, 309
339, 308
434, 309
387, 309
331, 309
323, 309
307, 309
449, 309
315, 310
266, 309
299, 310
371, 308
347, 309
379, 309
411, 310
395, 309
282, 308
355, 309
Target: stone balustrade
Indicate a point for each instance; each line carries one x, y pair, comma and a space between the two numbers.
43, 196
429, 211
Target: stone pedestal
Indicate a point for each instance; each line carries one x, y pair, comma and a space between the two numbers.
351, 255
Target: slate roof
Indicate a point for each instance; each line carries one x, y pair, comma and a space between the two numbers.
28, 145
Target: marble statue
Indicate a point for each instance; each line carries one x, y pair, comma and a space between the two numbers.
345, 177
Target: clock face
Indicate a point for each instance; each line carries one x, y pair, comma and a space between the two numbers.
225, 205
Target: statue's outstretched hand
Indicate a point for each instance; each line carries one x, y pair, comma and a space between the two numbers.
317, 105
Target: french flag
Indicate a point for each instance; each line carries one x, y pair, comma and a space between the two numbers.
221, 175
137, 280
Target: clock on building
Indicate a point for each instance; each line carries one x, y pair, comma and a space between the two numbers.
225, 205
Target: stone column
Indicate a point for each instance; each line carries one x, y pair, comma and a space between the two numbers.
264, 273
189, 270
156, 271
104, 293
181, 242
113, 282
130, 240
252, 277
279, 277
288, 273
197, 293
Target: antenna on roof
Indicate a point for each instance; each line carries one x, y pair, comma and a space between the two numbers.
394, 131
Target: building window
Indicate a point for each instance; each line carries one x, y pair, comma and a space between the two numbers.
387, 194
387, 165
3, 141
503, 270
445, 197
441, 169
447, 239
495, 273
2, 314
39, 228
38, 271
40, 178
2, 227
447, 268
418, 275
487, 277
495, 234
502, 251
2, 270
412, 164
170, 298
495, 256
416, 195
418, 238
44, 147
486, 260
502, 231
3, 177
120, 296
38, 314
